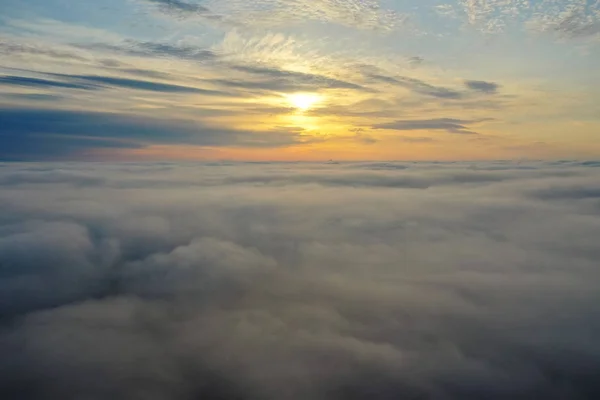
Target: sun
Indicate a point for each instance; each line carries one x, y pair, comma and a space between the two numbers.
303, 101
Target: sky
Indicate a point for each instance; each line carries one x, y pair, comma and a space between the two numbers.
134, 80
296, 281
299, 199
299, 79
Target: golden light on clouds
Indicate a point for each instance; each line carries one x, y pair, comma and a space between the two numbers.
361, 79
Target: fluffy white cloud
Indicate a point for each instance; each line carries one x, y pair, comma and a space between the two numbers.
321, 281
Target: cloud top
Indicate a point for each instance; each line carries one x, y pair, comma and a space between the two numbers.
322, 281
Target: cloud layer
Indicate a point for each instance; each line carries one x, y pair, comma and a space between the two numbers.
321, 281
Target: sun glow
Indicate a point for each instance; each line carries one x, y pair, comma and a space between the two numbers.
303, 101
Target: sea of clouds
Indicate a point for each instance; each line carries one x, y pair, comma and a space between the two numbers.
300, 281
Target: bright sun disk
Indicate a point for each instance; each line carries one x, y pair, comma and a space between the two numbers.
303, 101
